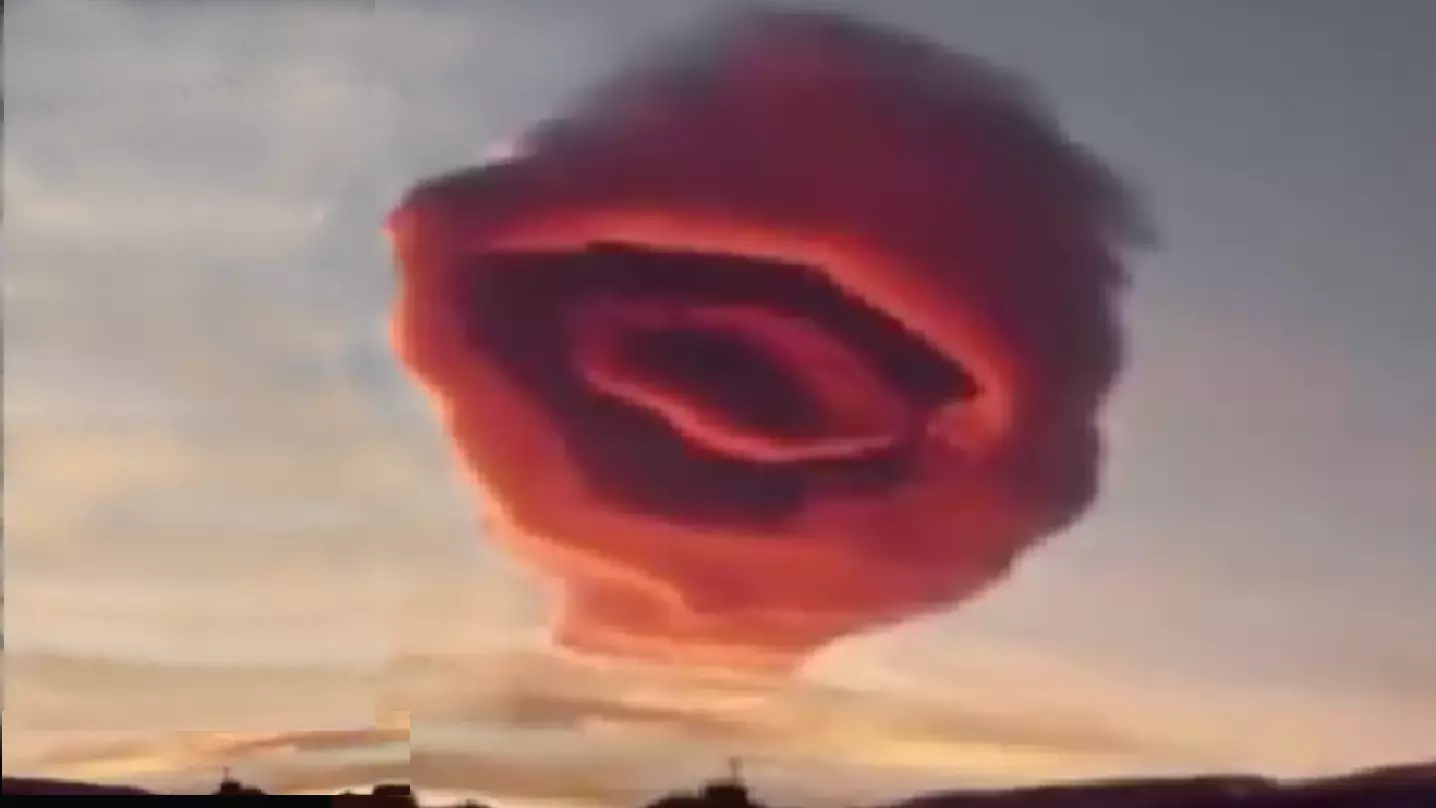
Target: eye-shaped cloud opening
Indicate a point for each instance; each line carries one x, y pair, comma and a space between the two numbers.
791, 331
708, 387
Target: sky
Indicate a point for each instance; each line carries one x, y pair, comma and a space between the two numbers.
235, 535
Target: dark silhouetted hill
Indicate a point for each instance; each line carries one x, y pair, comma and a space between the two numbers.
1393, 787
31, 787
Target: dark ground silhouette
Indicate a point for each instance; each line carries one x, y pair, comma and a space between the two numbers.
1410, 786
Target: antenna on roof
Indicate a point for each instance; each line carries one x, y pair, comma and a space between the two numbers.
735, 769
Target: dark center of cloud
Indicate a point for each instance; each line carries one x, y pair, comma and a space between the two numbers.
624, 344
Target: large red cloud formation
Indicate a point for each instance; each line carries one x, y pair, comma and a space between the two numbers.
797, 328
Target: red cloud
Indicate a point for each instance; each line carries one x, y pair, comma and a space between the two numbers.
796, 329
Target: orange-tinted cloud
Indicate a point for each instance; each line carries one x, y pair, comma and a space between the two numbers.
800, 327
181, 762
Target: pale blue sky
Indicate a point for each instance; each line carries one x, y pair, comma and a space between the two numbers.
226, 509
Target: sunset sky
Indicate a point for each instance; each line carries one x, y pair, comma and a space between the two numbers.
235, 535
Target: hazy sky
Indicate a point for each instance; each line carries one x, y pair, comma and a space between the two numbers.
234, 532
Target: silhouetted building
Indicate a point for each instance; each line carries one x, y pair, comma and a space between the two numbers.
395, 792
729, 792
230, 787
